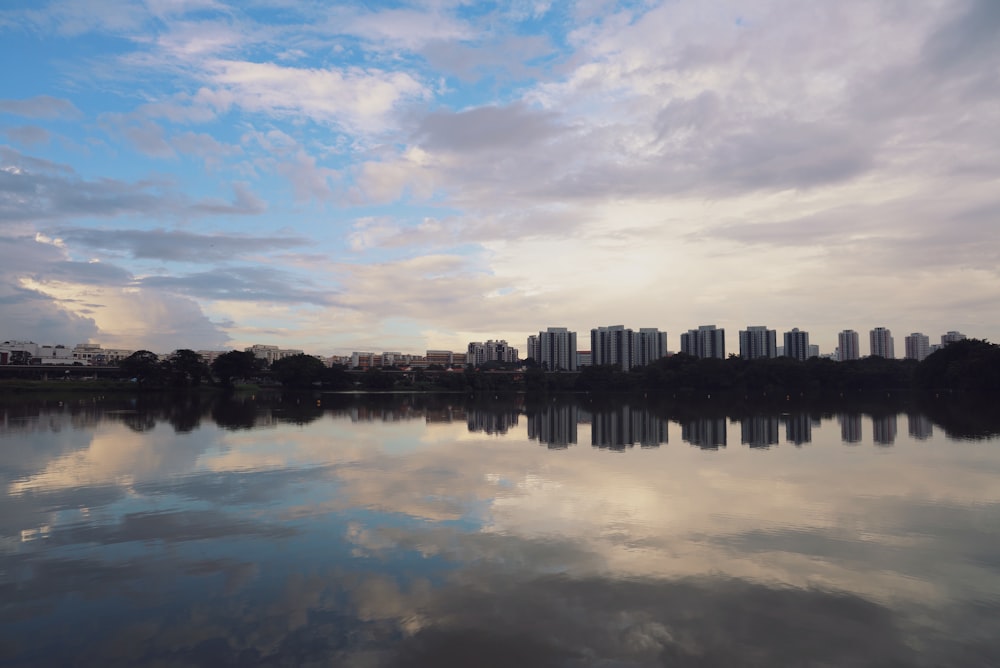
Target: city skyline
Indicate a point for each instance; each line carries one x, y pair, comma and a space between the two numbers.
557, 347
336, 177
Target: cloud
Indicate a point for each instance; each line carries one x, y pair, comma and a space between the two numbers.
244, 284
513, 128
177, 245
41, 106
28, 135
33, 189
356, 99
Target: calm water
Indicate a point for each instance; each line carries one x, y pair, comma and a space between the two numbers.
422, 531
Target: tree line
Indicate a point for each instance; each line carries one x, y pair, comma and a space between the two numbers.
968, 365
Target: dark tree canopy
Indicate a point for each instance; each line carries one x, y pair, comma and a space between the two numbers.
235, 364
298, 371
142, 365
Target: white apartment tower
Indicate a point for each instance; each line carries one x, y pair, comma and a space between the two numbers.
881, 343
491, 351
611, 345
758, 342
918, 346
848, 347
554, 349
951, 337
706, 341
797, 344
648, 345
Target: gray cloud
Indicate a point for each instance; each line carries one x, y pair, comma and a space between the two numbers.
261, 284
28, 135
41, 106
32, 189
514, 127
177, 245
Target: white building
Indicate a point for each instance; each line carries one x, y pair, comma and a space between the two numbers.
848, 347
648, 345
918, 346
93, 353
797, 344
492, 351
881, 343
951, 337
706, 341
554, 349
271, 354
611, 346
758, 342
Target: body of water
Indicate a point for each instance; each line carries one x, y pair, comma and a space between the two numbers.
449, 531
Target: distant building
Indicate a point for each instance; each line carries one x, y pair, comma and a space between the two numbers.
491, 351
554, 349
797, 344
813, 350
918, 346
758, 342
881, 343
584, 358
848, 346
363, 360
648, 345
706, 341
611, 346
92, 353
444, 358
951, 337
271, 354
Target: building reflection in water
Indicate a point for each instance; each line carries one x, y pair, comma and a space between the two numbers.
798, 428
706, 433
625, 426
554, 425
920, 426
884, 429
759, 431
492, 422
850, 427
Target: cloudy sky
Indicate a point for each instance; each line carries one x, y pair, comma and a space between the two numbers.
338, 176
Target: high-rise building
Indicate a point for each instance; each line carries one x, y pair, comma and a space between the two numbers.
492, 351
554, 349
918, 346
706, 341
624, 348
797, 344
847, 346
611, 346
648, 345
951, 337
881, 343
757, 342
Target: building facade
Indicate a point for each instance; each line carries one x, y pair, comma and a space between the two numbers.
797, 344
491, 351
918, 346
881, 343
706, 341
612, 346
554, 349
848, 346
758, 342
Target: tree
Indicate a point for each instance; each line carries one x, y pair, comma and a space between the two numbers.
235, 364
298, 371
187, 368
142, 365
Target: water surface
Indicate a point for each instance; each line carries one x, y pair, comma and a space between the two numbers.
447, 531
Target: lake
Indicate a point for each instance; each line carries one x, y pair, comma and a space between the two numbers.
421, 530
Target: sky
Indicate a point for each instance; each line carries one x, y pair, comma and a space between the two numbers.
338, 176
